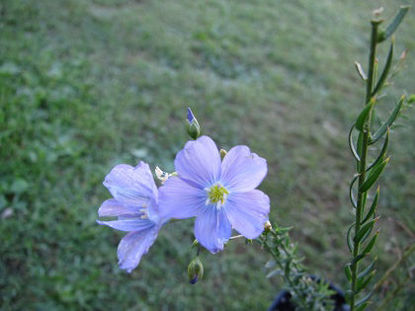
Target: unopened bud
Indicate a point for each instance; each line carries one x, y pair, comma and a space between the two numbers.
195, 270
193, 127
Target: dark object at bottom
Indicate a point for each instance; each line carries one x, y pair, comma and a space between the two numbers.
283, 301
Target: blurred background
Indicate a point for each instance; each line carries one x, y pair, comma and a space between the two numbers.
86, 85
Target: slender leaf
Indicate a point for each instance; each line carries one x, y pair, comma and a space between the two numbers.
385, 71
361, 119
357, 259
359, 146
274, 273
388, 123
364, 299
351, 145
351, 195
360, 71
348, 272
372, 208
390, 29
365, 228
371, 243
374, 174
372, 117
349, 238
364, 199
362, 283
362, 306
366, 271
382, 153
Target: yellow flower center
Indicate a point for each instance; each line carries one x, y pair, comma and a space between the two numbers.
217, 195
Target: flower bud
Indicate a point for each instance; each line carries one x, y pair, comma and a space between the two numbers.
193, 127
195, 270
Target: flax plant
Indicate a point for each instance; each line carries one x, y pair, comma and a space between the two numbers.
360, 236
218, 189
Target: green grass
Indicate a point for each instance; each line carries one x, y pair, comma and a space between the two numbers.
85, 85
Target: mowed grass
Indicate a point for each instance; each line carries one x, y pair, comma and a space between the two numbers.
86, 85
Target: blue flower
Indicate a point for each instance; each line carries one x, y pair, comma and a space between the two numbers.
135, 204
221, 194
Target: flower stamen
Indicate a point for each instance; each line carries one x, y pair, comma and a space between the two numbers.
217, 195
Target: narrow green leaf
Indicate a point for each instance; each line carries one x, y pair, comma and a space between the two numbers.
382, 153
348, 272
373, 206
388, 123
374, 174
359, 146
365, 228
362, 306
351, 145
349, 238
367, 270
390, 29
274, 273
362, 283
385, 71
364, 199
360, 71
372, 118
357, 259
364, 299
361, 119
351, 195
371, 243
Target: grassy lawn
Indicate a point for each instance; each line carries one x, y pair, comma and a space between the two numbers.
85, 85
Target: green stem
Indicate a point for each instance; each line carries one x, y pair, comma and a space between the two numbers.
286, 276
361, 197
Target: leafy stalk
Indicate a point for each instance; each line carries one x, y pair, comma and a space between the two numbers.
362, 195
363, 241
307, 292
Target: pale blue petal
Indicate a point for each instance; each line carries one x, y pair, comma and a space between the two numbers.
133, 246
179, 199
247, 212
199, 162
212, 229
132, 186
128, 224
112, 207
190, 115
242, 170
